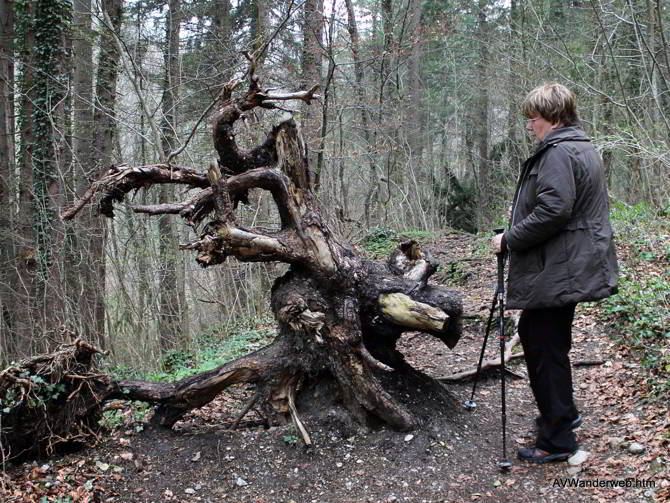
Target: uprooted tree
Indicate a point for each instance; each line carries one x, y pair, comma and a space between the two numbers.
338, 314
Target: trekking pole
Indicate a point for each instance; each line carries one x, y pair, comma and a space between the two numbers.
503, 464
471, 404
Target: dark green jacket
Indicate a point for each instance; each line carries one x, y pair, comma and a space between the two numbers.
560, 242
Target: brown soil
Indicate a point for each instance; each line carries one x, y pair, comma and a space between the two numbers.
451, 458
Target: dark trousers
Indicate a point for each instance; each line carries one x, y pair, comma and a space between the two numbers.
546, 337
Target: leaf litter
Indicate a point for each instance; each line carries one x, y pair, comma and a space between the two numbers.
449, 459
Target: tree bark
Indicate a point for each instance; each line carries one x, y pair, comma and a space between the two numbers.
172, 309
311, 74
7, 167
482, 117
221, 40
260, 28
22, 264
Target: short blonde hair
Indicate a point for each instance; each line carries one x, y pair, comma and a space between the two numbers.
553, 102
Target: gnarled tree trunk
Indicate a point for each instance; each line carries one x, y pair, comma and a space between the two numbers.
337, 313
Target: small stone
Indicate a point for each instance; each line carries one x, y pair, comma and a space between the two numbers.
636, 448
583, 386
196, 457
338, 464
349, 485
656, 465
615, 442
497, 483
189, 490
241, 482
574, 470
409, 437
578, 458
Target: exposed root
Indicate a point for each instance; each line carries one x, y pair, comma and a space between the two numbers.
495, 363
51, 399
489, 364
294, 416
245, 411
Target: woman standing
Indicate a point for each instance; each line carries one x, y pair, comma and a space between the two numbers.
561, 252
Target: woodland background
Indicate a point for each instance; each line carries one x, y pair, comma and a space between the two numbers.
418, 129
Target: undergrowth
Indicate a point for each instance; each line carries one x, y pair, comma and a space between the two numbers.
134, 416
212, 348
639, 312
379, 242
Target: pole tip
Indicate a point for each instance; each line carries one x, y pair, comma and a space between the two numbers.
504, 465
469, 404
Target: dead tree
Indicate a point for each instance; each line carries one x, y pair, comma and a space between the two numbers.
336, 311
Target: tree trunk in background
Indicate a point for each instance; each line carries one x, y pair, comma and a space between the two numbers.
482, 117
82, 89
39, 296
260, 30
633, 83
516, 81
22, 267
53, 19
222, 31
7, 248
80, 235
663, 57
145, 293
170, 326
413, 126
369, 147
381, 127
328, 89
312, 31
606, 79
104, 138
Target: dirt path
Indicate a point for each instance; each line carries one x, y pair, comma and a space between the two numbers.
451, 459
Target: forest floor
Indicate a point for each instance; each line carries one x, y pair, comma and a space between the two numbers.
451, 458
